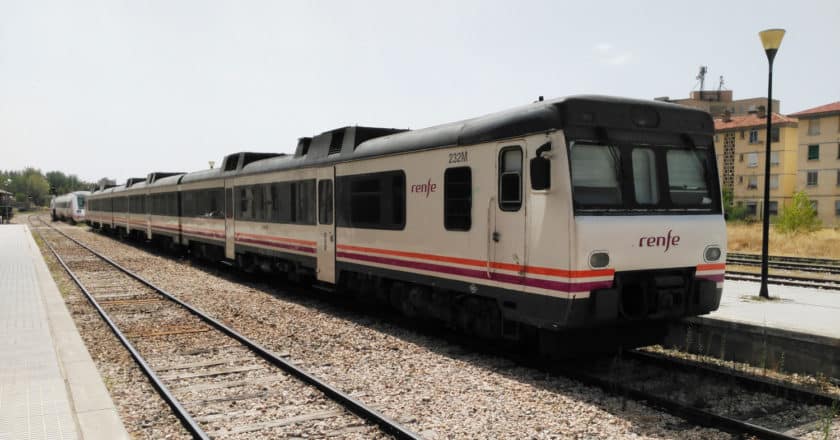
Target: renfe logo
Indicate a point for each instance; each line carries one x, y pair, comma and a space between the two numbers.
659, 241
427, 188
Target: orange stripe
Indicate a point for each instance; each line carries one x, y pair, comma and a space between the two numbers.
714, 266
480, 263
281, 239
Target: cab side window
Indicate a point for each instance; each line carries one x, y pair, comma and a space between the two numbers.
510, 179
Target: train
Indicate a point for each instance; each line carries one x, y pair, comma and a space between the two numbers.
567, 218
69, 207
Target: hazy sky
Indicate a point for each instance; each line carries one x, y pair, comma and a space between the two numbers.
121, 88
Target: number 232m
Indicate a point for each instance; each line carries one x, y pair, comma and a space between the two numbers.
458, 157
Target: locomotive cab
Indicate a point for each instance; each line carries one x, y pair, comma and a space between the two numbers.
646, 207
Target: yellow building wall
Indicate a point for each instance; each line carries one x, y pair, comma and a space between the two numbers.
786, 169
827, 191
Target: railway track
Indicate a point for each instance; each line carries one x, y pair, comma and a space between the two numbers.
201, 367
711, 396
632, 375
785, 280
821, 265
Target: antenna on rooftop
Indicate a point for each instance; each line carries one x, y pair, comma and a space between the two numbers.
720, 87
702, 77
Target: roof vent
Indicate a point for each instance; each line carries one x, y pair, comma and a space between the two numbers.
727, 115
303, 146
336, 141
762, 111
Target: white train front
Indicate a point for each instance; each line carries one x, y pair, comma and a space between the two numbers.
69, 206
575, 213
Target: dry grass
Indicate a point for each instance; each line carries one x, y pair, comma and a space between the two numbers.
824, 243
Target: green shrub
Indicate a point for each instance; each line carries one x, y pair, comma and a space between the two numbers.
799, 216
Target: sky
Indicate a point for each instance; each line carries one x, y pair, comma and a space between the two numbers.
118, 89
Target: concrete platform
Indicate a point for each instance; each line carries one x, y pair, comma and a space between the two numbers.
798, 309
49, 386
798, 330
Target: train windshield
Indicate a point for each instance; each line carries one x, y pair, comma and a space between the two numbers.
80, 200
642, 179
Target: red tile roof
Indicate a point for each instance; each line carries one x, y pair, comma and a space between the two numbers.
751, 120
834, 107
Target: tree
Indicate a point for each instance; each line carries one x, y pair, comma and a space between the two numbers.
799, 216
731, 210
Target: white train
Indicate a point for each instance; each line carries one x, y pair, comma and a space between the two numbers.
69, 206
576, 213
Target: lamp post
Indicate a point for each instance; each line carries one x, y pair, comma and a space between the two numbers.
771, 39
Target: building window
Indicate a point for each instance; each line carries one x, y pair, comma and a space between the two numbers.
740, 179
753, 182
457, 199
815, 205
774, 158
774, 134
754, 136
812, 178
838, 177
752, 160
774, 181
773, 209
742, 134
741, 157
751, 208
813, 127
814, 152
837, 207
717, 138
838, 150
510, 179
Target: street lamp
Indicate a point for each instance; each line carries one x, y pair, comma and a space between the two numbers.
771, 39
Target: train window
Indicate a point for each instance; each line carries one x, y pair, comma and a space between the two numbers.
457, 199
305, 202
258, 201
687, 177
596, 173
325, 202
510, 179
645, 176
80, 201
372, 201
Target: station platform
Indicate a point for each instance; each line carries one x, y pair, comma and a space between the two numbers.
796, 331
799, 309
49, 385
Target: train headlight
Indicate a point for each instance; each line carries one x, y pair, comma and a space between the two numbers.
712, 253
599, 259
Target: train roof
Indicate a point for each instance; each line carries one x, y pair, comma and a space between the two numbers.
74, 193
167, 181
582, 114
584, 111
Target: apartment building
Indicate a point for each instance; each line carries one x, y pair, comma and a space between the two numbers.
818, 159
740, 148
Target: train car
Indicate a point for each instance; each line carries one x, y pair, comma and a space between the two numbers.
69, 207
164, 208
566, 215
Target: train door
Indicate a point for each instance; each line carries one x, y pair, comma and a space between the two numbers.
230, 232
326, 225
507, 222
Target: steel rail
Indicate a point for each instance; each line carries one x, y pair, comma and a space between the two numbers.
183, 415
687, 412
345, 400
782, 258
785, 280
753, 383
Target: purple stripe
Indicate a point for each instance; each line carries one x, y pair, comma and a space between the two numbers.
504, 278
276, 245
716, 277
203, 234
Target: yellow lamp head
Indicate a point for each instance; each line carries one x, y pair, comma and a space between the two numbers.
771, 39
